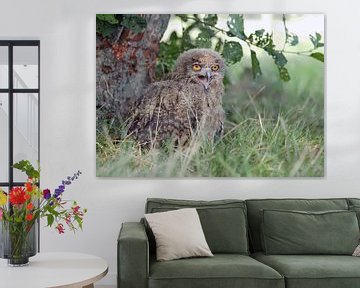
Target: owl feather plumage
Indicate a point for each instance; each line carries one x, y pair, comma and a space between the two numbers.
186, 103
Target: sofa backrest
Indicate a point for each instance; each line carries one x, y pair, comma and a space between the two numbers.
223, 221
353, 202
256, 205
354, 205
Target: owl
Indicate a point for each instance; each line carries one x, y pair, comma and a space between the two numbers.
187, 103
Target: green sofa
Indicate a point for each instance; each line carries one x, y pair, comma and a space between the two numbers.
236, 234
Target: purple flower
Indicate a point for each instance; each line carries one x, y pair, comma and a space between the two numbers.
58, 192
68, 181
46, 194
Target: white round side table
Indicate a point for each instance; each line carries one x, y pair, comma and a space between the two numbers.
50, 270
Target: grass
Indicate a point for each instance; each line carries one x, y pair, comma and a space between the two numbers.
273, 129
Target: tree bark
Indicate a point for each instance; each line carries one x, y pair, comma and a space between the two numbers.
125, 65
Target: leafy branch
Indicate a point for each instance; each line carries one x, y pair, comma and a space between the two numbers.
292, 40
230, 43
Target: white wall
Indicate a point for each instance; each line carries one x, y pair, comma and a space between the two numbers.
66, 29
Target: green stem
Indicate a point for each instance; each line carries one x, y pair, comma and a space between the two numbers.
18, 237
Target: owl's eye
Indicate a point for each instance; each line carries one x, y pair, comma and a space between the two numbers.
196, 67
215, 67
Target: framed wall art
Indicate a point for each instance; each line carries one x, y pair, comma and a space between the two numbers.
210, 95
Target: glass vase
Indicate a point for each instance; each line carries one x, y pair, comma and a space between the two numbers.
18, 242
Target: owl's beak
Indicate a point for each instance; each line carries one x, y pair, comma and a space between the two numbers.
208, 75
207, 79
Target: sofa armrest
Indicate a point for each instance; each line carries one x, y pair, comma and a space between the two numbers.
133, 256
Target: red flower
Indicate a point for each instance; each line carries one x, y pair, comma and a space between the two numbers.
17, 196
27, 196
60, 228
29, 186
29, 206
29, 217
75, 209
68, 219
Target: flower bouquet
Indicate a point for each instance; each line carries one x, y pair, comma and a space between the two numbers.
21, 208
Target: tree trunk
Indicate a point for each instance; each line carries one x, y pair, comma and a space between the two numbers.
125, 65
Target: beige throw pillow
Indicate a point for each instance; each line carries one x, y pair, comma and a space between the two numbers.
357, 251
178, 234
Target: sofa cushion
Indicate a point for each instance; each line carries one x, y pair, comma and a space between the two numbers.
297, 232
356, 209
222, 270
254, 216
223, 221
354, 205
353, 201
178, 234
313, 271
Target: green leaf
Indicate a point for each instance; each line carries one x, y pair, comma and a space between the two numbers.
262, 40
293, 39
256, 70
183, 17
105, 28
232, 52
203, 39
106, 24
52, 211
50, 219
318, 56
211, 19
259, 33
280, 61
79, 221
236, 26
110, 18
279, 58
284, 73
21, 165
26, 167
315, 40
135, 23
